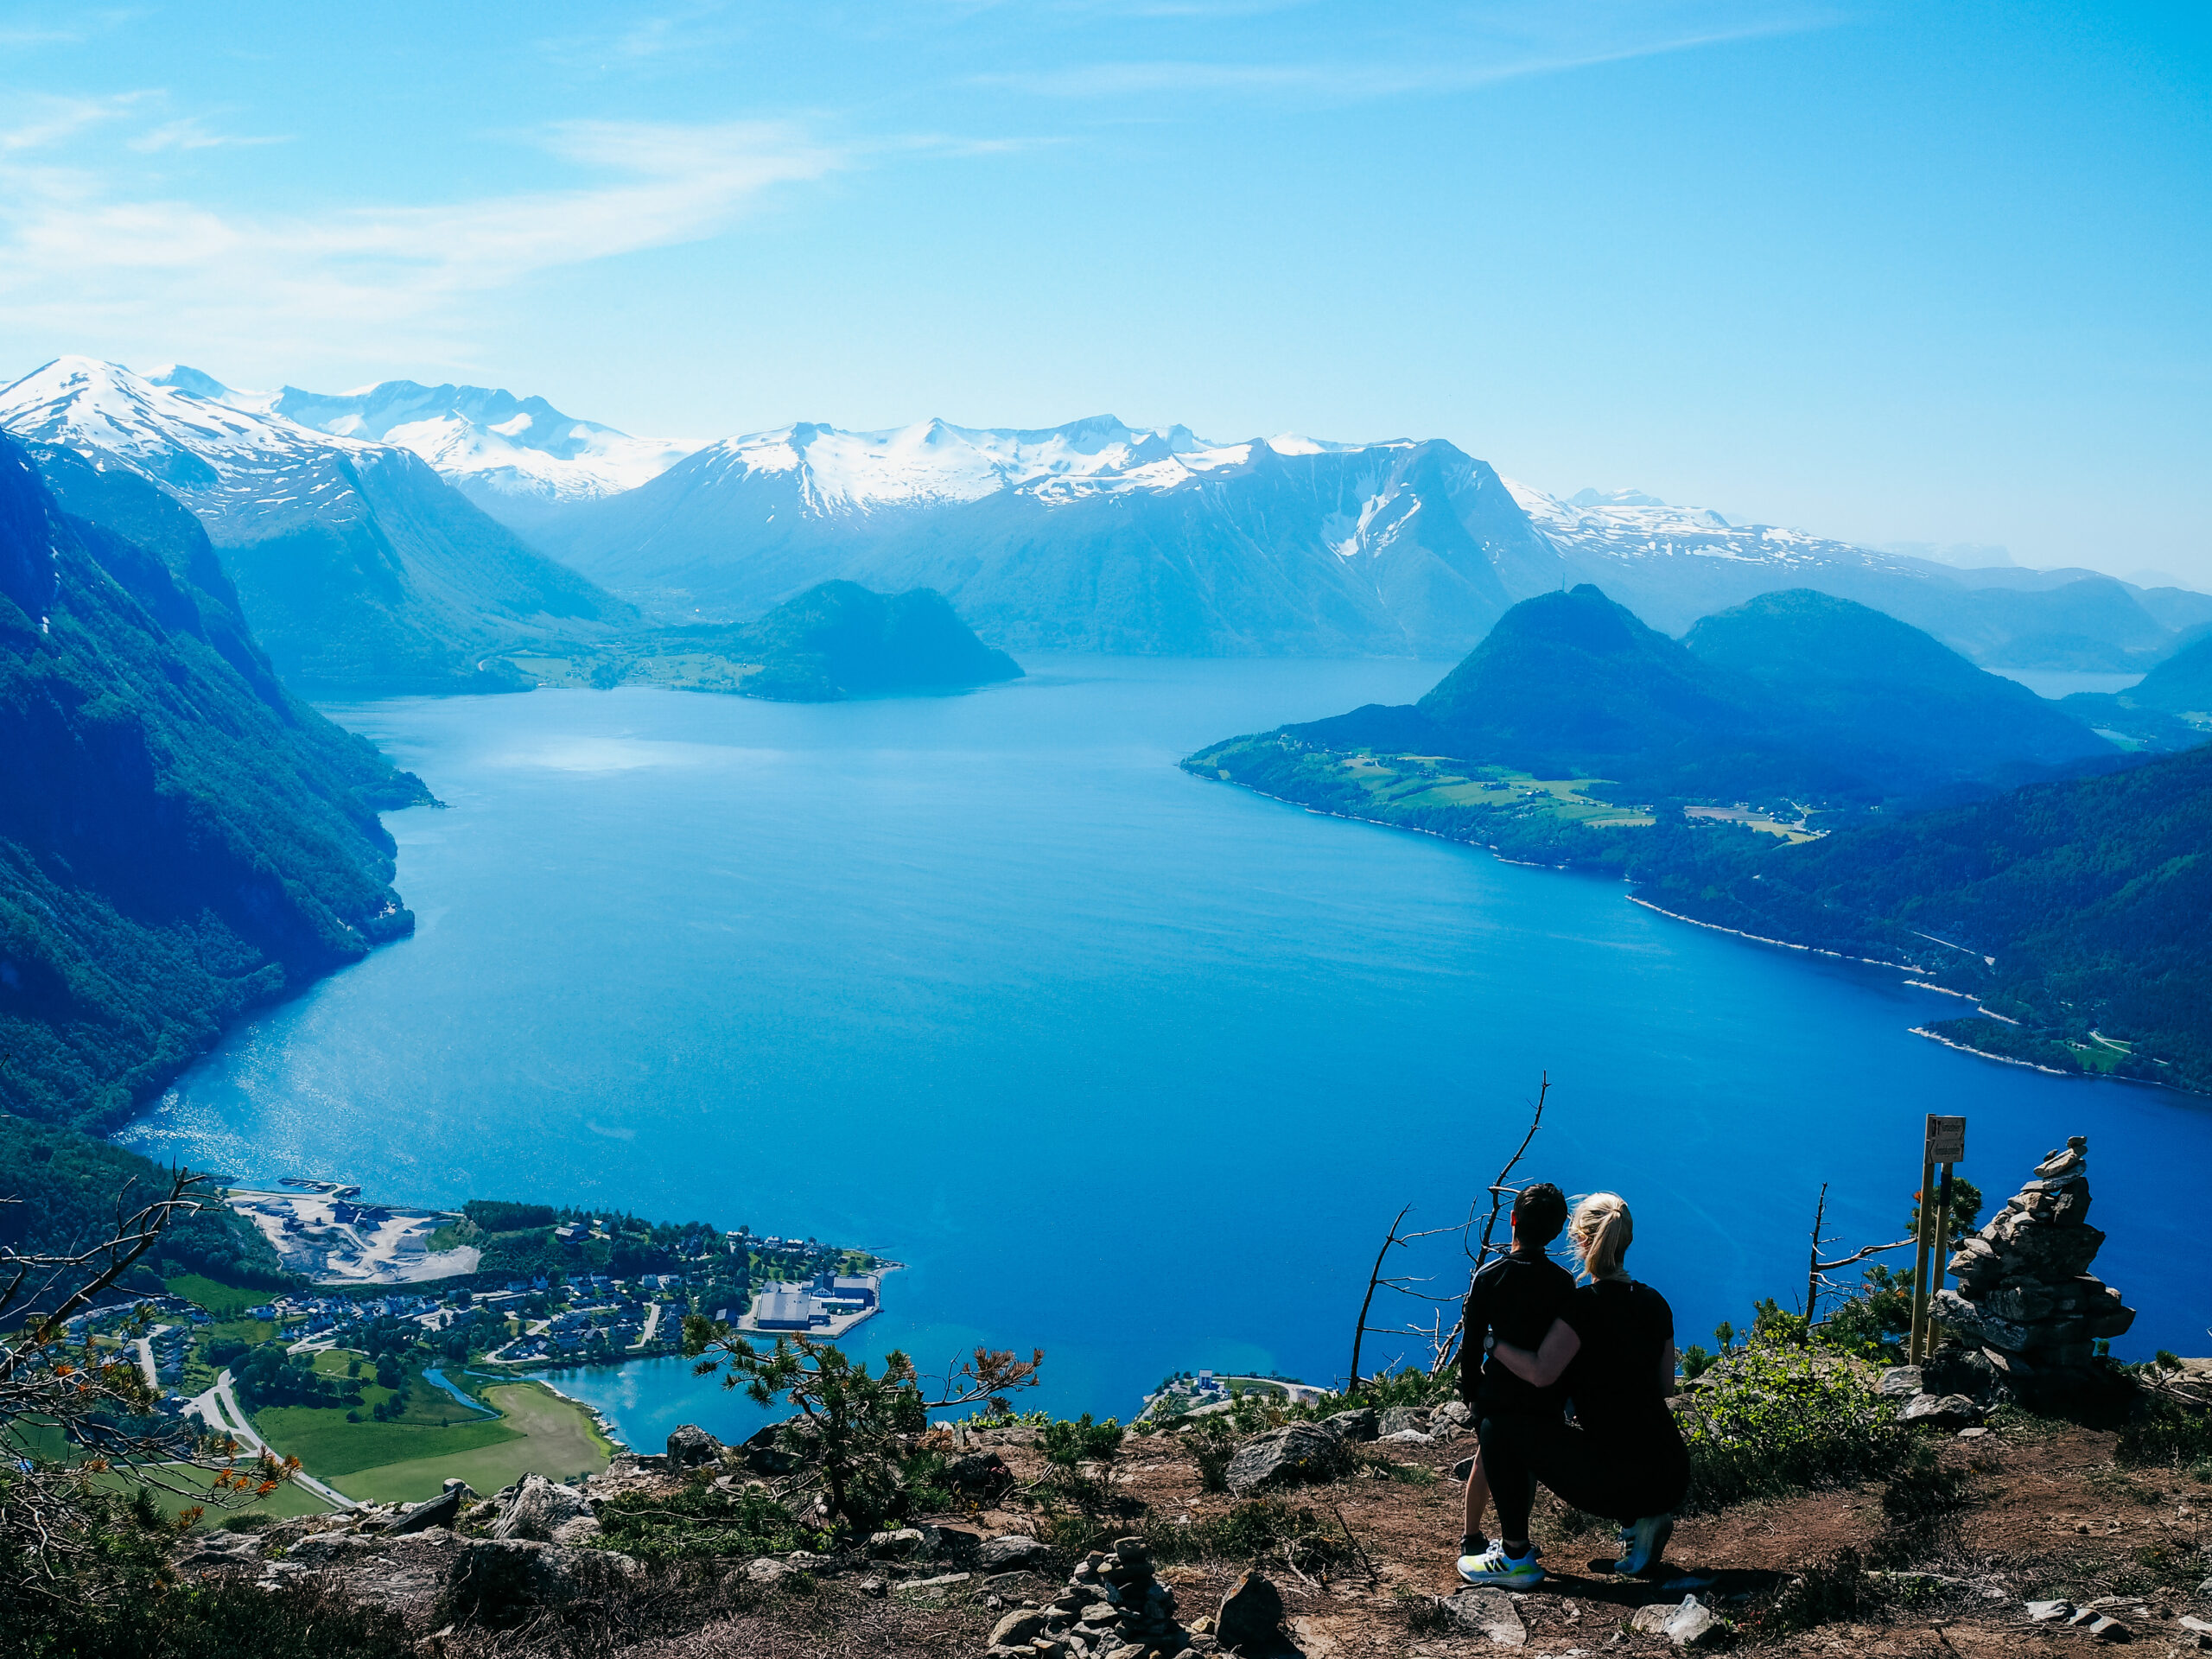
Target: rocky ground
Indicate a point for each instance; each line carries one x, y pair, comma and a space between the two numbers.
2045, 1518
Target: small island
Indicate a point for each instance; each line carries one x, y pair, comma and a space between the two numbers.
835, 641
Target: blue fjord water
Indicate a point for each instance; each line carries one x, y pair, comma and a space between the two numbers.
1126, 1065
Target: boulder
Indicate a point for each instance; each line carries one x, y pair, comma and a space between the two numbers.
1398, 1419
536, 1507
1295, 1452
440, 1511
1358, 1424
1940, 1411
501, 1581
1487, 1614
1453, 1417
690, 1446
764, 1453
1249, 1622
577, 1532
1899, 1382
904, 1544
1686, 1623
1008, 1551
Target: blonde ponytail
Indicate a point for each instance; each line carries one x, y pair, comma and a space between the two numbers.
1600, 1233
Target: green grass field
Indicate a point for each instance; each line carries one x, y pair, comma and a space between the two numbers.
285, 1500
435, 1426
328, 1446
223, 1301
545, 1434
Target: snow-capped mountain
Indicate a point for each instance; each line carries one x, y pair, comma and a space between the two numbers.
1098, 535
359, 568
1095, 534
518, 458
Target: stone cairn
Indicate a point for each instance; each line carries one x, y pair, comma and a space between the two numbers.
1113, 1608
2025, 1296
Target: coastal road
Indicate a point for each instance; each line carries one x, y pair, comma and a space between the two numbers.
220, 1409
145, 1347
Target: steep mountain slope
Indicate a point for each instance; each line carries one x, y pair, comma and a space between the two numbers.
834, 641
360, 570
2180, 685
180, 839
1900, 705
1093, 536
1098, 535
1797, 695
520, 458
2080, 910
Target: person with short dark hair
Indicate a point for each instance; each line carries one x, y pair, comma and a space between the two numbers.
1613, 1351
1516, 1299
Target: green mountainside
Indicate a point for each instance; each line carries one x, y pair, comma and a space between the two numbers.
836, 641
2078, 909
2169, 707
1794, 696
182, 839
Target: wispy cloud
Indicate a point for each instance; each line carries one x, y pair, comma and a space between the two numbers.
41, 120
1520, 44
81, 259
192, 133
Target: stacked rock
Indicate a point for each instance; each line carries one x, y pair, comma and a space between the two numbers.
2025, 1295
1113, 1608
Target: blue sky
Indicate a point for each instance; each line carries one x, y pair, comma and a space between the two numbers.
1932, 272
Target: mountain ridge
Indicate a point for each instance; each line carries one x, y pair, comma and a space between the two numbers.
361, 569
184, 839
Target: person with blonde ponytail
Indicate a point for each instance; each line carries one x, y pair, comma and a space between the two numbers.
1612, 1351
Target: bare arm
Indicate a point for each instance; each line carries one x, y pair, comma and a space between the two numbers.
1541, 1369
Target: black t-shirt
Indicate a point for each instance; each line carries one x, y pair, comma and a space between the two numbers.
1515, 1299
1614, 1378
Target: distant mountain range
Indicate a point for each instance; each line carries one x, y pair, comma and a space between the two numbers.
1099, 536
361, 570
1095, 536
520, 458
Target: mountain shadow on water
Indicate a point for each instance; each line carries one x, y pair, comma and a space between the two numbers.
182, 839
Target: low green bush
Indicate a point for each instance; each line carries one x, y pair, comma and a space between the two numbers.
702, 1520
2166, 1434
1259, 1529
1776, 1419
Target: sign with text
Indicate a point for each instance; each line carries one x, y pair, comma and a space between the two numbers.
1947, 1139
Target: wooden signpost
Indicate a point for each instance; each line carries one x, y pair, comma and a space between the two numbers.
1944, 1148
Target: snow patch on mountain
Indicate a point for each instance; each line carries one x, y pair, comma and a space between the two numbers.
521, 447
933, 463
1629, 525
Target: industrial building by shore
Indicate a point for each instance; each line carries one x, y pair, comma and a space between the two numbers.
828, 1304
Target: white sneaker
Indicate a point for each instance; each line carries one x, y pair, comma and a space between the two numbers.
1497, 1569
1643, 1543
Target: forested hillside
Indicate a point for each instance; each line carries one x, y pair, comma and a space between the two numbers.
2081, 911
180, 840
